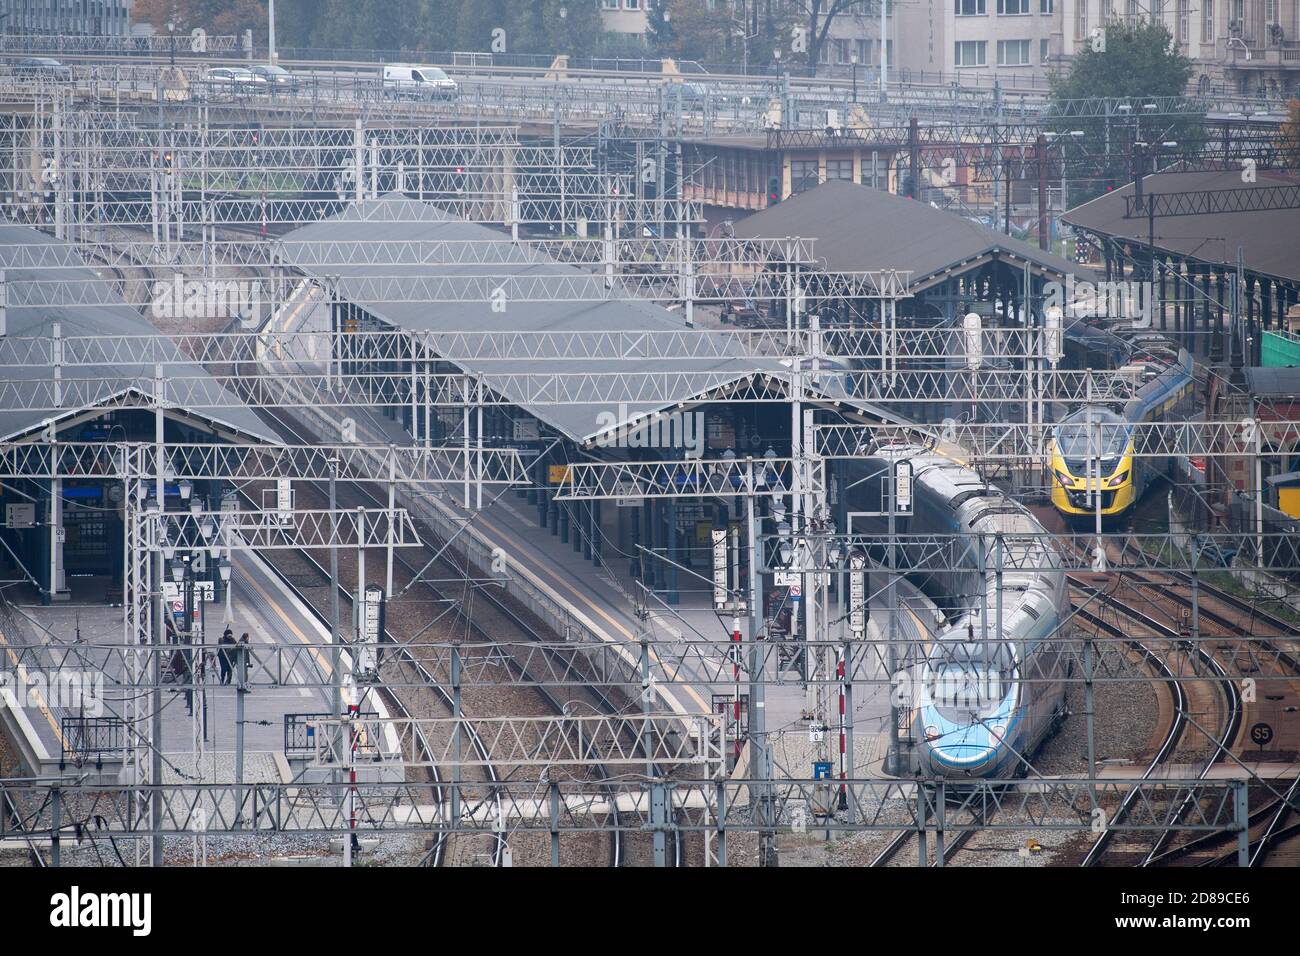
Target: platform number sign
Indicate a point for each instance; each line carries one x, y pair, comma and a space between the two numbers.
1261, 734
903, 487
370, 632
719, 567
857, 593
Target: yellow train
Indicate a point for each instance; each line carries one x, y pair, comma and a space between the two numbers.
1091, 453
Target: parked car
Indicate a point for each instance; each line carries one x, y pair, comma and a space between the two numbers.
277, 78
418, 82
232, 81
44, 67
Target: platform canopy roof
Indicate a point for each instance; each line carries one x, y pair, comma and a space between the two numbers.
398, 218
857, 228
1269, 239
89, 387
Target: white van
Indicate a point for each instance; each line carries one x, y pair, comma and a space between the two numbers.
421, 82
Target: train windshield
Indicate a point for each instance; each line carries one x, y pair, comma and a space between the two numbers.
966, 686
1092, 433
969, 676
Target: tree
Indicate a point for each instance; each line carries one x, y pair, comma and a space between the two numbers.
659, 27
697, 32
818, 17
217, 17
1288, 142
1137, 62
747, 32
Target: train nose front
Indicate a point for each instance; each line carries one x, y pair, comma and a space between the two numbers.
972, 748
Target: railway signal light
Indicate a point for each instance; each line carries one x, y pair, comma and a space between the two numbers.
773, 190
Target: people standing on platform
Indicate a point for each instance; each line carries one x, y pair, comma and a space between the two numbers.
245, 652
223, 655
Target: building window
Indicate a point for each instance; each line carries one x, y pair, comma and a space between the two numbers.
1107, 11
862, 50
803, 175
1131, 11
632, 4
841, 51
1013, 8
609, 4
969, 8
969, 53
1044, 50
1183, 13
839, 169
1080, 19
1207, 21
1046, 6
1013, 53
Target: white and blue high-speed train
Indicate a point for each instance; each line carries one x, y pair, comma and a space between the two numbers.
989, 687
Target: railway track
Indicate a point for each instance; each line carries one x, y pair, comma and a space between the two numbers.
504, 617
951, 847
437, 853
1267, 825
292, 431
1229, 706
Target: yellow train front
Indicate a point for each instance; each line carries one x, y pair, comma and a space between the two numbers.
1092, 457
1091, 453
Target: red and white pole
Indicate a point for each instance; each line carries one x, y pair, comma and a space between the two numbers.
735, 673
839, 673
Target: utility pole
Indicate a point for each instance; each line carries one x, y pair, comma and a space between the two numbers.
760, 757
1041, 148
884, 49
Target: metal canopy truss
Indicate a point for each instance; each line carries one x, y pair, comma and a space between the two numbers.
271, 530
288, 386
1260, 657
342, 95
1051, 552
662, 743
408, 464
602, 481
199, 390
80, 173
72, 809
234, 255
543, 282
975, 443
1208, 202
991, 148
939, 347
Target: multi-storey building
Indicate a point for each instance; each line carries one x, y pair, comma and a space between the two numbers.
625, 16
1250, 46
974, 42
66, 17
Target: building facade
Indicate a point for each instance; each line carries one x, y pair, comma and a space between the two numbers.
66, 17
975, 42
625, 16
1247, 46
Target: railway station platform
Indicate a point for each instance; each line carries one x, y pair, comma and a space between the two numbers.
199, 729
606, 598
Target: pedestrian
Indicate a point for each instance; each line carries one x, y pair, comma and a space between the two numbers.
223, 655
244, 653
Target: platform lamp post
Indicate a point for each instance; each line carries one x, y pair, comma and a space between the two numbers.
854, 60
